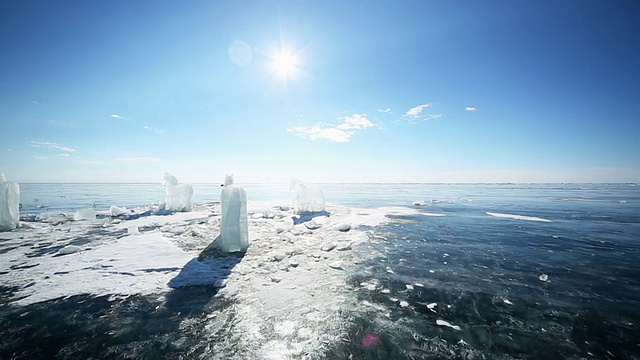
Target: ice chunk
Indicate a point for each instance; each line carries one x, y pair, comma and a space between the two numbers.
543, 277
179, 197
69, 249
85, 214
306, 199
117, 211
517, 217
432, 306
448, 324
234, 231
9, 204
284, 225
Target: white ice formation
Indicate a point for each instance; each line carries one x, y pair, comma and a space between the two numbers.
517, 217
234, 230
9, 204
117, 210
306, 199
179, 197
85, 214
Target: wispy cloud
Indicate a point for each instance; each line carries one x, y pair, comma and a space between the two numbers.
156, 130
342, 132
470, 108
62, 155
432, 117
138, 159
414, 112
117, 116
354, 122
387, 110
318, 131
47, 144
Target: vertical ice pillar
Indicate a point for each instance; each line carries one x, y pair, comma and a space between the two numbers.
234, 230
306, 199
179, 197
9, 204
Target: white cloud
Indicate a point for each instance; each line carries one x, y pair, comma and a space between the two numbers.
336, 133
355, 121
387, 110
38, 144
415, 114
156, 130
62, 155
470, 108
63, 148
138, 159
432, 117
116, 116
416, 111
319, 132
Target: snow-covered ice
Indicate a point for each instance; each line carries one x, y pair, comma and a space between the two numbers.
283, 276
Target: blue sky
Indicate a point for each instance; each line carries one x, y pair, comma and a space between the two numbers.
326, 91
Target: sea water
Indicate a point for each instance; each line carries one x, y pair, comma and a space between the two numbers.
555, 275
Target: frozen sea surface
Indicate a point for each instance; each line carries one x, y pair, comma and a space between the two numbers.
479, 271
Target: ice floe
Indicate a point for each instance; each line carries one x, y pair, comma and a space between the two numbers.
517, 217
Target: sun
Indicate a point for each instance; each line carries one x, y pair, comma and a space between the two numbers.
284, 64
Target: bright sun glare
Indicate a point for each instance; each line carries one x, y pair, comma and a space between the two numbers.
284, 64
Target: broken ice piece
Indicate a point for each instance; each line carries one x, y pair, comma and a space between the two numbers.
344, 247
69, 249
447, 324
336, 265
432, 306
328, 247
409, 287
85, 214
404, 304
506, 301
543, 277
117, 211
312, 225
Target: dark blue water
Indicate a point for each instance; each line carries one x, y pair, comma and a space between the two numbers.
483, 272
